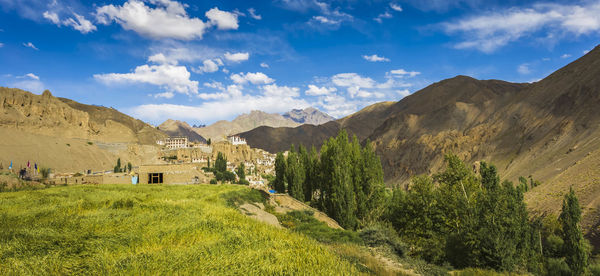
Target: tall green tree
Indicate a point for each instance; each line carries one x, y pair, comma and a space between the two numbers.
279, 183
372, 185
574, 247
220, 163
295, 175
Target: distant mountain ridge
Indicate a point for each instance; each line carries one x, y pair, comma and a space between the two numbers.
179, 128
309, 115
245, 122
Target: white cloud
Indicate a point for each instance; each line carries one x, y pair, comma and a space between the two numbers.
264, 65
565, 56
237, 57
209, 66
254, 78
1, 44
168, 19
491, 31
52, 16
402, 73
79, 23
523, 69
166, 95
396, 7
314, 90
253, 14
225, 105
380, 17
29, 76
222, 19
170, 77
30, 45
375, 58
352, 80
326, 20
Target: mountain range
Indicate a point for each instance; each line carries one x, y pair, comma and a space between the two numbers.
549, 130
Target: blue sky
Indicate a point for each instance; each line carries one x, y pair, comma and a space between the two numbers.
203, 61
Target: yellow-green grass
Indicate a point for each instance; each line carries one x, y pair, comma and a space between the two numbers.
143, 229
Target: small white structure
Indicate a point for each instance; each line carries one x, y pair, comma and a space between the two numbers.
236, 140
176, 142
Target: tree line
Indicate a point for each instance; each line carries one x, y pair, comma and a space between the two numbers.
457, 217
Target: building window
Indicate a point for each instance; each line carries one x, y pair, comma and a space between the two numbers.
155, 178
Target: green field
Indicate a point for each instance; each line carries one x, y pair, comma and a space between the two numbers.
127, 229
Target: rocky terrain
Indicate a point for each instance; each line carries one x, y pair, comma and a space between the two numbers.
68, 136
309, 115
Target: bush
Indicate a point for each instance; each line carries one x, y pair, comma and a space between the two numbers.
244, 182
213, 181
595, 269
557, 267
379, 235
553, 246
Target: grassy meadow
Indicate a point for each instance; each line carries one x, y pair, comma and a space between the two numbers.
127, 229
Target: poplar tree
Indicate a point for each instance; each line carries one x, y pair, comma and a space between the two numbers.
279, 182
295, 175
574, 247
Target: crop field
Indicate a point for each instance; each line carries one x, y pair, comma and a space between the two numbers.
143, 229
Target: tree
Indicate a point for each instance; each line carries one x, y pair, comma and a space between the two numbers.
241, 173
129, 166
574, 247
209, 142
295, 175
279, 182
117, 167
220, 163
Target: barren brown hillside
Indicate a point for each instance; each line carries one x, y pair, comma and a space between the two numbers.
68, 136
179, 128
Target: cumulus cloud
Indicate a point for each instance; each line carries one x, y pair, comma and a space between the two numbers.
171, 77
253, 14
264, 65
226, 104
79, 23
237, 57
382, 16
30, 45
375, 58
222, 19
403, 93
254, 78
403, 73
396, 7
29, 76
166, 95
523, 69
28, 82
167, 19
352, 80
314, 90
565, 56
209, 66
491, 31
326, 20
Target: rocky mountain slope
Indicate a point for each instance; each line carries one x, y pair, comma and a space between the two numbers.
309, 115
69, 136
179, 128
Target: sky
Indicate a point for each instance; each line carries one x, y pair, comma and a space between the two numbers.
204, 61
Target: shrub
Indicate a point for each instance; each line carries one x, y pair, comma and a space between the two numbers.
557, 267
213, 181
379, 235
304, 222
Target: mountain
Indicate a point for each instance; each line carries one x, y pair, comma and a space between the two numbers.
179, 128
361, 123
221, 129
548, 129
309, 115
70, 136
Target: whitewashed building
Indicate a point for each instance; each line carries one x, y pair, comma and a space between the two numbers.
236, 140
